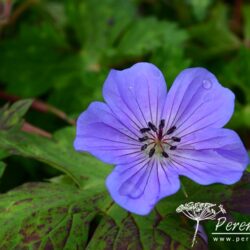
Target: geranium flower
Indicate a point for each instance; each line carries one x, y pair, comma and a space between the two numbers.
153, 137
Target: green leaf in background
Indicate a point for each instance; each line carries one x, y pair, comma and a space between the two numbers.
246, 16
112, 225
213, 37
235, 73
98, 36
60, 51
66, 217
200, 8
58, 216
57, 152
81, 90
11, 116
37, 49
2, 168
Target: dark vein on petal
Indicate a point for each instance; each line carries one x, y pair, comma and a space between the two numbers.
118, 119
202, 170
119, 131
167, 123
178, 165
163, 168
194, 112
134, 165
136, 152
191, 142
186, 107
141, 111
134, 174
105, 139
178, 134
151, 168
110, 149
157, 100
157, 174
192, 159
132, 112
170, 114
135, 159
137, 126
149, 100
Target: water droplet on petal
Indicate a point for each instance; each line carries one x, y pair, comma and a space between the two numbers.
207, 84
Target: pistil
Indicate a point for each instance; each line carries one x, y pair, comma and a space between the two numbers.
159, 141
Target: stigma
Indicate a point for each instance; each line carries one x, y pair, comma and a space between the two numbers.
158, 140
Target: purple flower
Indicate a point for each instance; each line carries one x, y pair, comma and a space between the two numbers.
153, 137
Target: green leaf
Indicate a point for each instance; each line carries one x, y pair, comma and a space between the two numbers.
58, 153
3, 154
51, 218
213, 38
2, 168
11, 116
48, 216
66, 217
96, 37
246, 16
35, 56
235, 74
76, 94
150, 34
199, 8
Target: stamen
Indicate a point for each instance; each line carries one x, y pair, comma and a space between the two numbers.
144, 130
152, 126
162, 124
151, 152
171, 130
177, 139
143, 147
144, 138
172, 147
164, 154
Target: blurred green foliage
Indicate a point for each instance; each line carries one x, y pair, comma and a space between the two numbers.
59, 52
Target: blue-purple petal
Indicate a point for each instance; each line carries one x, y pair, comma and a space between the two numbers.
196, 101
138, 186
212, 156
136, 95
195, 109
100, 133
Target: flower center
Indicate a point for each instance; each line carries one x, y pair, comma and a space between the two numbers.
156, 141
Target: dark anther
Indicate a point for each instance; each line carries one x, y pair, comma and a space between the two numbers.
144, 130
152, 126
171, 130
164, 154
162, 124
144, 138
151, 152
177, 139
143, 147
172, 147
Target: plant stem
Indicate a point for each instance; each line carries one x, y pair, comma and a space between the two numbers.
29, 128
41, 107
184, 190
